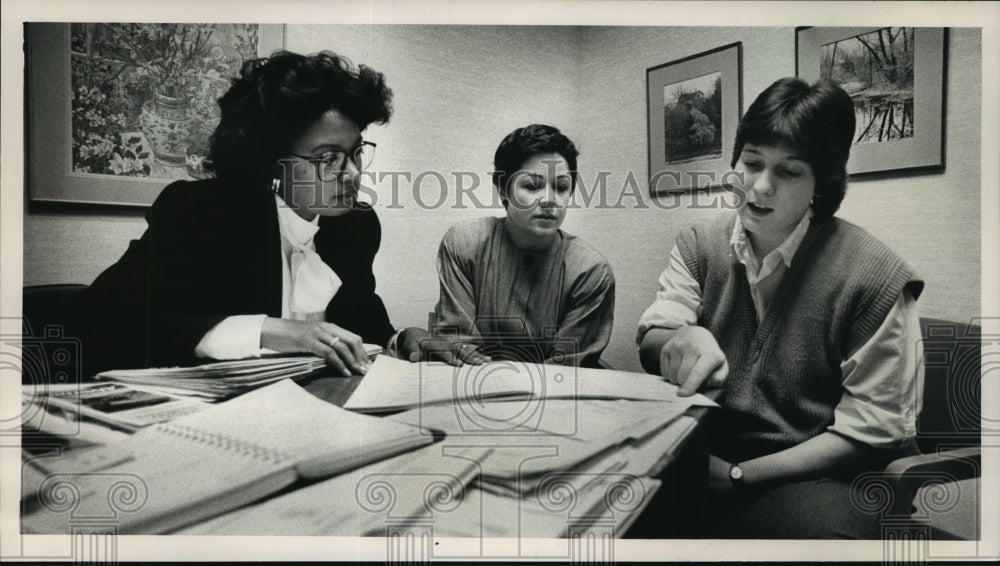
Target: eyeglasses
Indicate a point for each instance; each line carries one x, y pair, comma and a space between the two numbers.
333, 163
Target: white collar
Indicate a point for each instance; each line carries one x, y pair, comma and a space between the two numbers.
296, 229
741, 242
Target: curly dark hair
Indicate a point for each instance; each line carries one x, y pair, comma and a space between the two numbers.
525, 142
818, 121
276, 98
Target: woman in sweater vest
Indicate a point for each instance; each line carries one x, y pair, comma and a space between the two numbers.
806, 322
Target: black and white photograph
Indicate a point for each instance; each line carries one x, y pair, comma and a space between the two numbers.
876, 69
692, 118
896, 78
694, 109
502, 281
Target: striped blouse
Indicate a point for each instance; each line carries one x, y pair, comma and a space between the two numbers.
555, 306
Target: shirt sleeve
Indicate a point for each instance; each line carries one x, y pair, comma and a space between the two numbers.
590, 317
456, 307
234, 338
678, 302
882, 382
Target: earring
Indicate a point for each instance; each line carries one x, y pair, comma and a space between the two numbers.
275, 185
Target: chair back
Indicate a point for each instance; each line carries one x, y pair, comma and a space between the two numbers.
48, 353
951, 395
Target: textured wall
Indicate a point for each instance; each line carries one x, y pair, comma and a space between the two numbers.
460, 89
932, 220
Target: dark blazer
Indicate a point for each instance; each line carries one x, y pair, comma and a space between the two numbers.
210, 251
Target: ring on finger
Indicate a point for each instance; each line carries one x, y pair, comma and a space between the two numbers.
333, 342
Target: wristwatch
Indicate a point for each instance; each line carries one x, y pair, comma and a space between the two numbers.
736, 475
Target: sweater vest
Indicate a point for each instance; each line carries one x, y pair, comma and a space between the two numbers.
784, 373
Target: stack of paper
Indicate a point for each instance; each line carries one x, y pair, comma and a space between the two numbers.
533, 441
39, 416
216, 460
415, 486
608, 504
395, 385
553, 432
116, 404
218, 380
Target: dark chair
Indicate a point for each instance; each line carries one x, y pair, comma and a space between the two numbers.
49, 353
940, 486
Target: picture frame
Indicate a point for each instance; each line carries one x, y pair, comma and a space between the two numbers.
136, 118
690, 131
895, 76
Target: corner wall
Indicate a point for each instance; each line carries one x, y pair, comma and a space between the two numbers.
460, 89
931, 219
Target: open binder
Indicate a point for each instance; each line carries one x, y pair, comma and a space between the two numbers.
205, 463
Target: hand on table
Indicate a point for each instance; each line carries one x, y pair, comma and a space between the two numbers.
417, 344
342, 349
692, 358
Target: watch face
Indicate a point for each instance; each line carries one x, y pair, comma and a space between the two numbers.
736, 473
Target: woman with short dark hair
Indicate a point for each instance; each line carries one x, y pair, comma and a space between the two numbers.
806, 322
818, 121
274, 253
518, 287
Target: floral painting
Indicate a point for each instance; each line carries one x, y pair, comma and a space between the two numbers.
876, 69
692, 119
144, 95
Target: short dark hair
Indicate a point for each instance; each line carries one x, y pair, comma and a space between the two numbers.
521, 144
817, 121
276, 98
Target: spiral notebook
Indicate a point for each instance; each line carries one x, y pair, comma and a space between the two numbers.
168, 475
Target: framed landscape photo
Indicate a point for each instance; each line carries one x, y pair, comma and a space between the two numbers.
693, 109
895, 76
116, 111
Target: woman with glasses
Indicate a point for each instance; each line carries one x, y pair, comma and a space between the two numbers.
518, 287
272, 254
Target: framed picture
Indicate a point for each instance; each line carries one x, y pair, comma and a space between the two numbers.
895, 76
693, 109
117, 111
